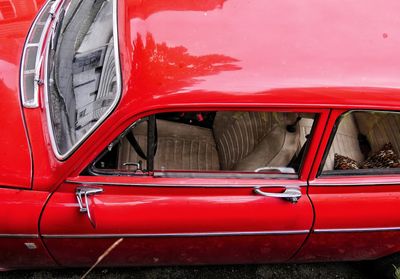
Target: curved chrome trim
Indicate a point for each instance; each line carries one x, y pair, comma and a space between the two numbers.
283, 170
39, 57
161, 235
350, 230
54, 7
107, 113
19, 236
177, 185
35, 102
292, 194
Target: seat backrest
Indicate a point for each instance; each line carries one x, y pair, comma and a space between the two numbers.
249, 140
380, 128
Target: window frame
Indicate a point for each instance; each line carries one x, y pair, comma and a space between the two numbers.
93, 171
64, 156
351, 173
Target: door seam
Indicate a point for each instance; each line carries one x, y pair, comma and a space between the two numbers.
309, 198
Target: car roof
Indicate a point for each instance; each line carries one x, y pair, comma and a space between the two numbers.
215, 50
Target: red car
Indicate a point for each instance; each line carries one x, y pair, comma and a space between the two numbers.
198, 132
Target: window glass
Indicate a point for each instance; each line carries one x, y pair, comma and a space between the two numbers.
365, 142
82, 69
223, 141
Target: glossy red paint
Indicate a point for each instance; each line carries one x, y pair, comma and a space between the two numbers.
19, 215
211, 55
193, 69
353, 208
15, 254
356, 217
177, 250
20, 210
156, 213
15, 164
221, 52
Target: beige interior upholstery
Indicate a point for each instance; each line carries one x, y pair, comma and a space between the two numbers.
380, 128
249, 140
245, 141
180, 147
241, 141
305, 127
345, 142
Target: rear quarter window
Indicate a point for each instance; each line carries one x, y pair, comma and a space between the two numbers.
364, 142
83, 85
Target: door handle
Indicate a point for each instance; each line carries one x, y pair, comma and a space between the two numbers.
290, 194
280, 169
82, 194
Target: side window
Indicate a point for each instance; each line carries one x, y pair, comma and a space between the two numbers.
210, 142
364, 142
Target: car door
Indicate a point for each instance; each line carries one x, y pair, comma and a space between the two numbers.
356, 210
154, 219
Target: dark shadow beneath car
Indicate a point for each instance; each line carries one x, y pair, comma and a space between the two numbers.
320, 270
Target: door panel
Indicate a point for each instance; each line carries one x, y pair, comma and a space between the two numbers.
353, 222
356, 216
168, 223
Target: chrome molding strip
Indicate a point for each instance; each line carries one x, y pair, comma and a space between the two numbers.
178, 185
111, 108
320, 183
351, 230
163, 235
19, 236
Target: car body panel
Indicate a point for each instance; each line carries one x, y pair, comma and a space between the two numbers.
356, 216
15, 154
353, 223
248, 48
165, 223
138, 81
20, 244
226, 55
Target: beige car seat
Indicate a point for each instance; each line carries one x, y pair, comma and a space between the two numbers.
180, 147
250, 140
380, 128
240, 141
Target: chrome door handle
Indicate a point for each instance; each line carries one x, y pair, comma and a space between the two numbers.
84, 206
290, 194
280, 169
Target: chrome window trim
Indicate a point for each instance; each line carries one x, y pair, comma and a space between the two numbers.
162, 235
39, 57
54, 7
58, 155
353, 230
180, 186
222, 175
337, 173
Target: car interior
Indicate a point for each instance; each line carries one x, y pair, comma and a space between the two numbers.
83, 71
249, 141
365, 140
231, 141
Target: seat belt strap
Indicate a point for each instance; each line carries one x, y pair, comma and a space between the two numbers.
132, 140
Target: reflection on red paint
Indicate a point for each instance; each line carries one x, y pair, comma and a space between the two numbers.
143, 9
171, 69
